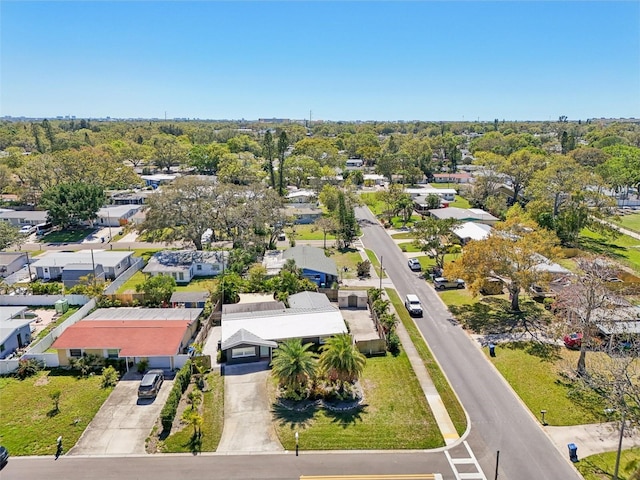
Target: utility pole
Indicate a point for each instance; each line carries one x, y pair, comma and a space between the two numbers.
617, 467
380, 273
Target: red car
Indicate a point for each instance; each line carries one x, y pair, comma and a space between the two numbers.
573, 340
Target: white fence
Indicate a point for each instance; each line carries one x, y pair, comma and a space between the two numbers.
46, 341
179, 361
50, 360
41, 300
126, 275
8, 366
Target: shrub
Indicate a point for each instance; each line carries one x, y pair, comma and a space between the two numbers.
118, 363
28, 367
363, 268
393, 343
143, 365
168, 413
46, 288
110, 377
87, 364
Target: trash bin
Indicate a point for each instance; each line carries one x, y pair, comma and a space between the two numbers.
492, 350
573, 452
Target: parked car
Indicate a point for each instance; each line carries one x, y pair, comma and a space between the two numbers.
573, 340
441, 283
150, 384
27, 229
414, 264
412, 304
4, 456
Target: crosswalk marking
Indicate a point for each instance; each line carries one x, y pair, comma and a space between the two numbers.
470, 460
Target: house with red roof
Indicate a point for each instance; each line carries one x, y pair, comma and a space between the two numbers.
157, 335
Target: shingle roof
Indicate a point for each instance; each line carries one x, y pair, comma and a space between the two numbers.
135, 338
170, 260
311, 258
245, 337
146, 314
311, 300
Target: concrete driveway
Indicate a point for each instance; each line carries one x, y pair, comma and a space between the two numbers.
123, 422
248, 425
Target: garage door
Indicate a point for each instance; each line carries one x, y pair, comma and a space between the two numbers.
160, 362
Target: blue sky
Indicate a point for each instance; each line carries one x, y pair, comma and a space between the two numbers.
342, 60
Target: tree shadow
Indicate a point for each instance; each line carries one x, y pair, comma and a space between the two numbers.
195, 443
346, 418
53, 412
548, 352
493, 316
601, 247
295, 414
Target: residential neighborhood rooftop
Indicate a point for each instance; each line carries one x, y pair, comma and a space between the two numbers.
146, 314
107, 258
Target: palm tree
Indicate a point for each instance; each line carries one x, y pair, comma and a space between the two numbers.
293, 364
341, 359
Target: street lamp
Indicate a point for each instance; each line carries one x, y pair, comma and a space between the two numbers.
296, 435
381, 273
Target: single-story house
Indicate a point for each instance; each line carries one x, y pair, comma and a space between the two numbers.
315, 265
303, 213
459, 177
250, 336
157, 179
138, 197
184, 265
50, 265
189, 299
371, 179
472, 231
354, 163
18, 218
476, 215
15, 330
301, 196
448, 194
154, 334
11, 262
421, 204
77, 273
116, 215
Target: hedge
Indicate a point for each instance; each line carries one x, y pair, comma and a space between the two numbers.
168, 413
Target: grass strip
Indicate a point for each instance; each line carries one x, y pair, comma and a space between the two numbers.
449, 398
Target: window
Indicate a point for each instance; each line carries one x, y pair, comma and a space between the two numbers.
243, 352
198, 267
2, 348
181, 276
112, 353
75, 352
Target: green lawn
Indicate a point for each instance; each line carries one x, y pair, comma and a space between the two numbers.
457, 297
28, 426
632, 222
197, 285
346, 258
456, 412
394, 415
624, 248
67, 236
213, 420
602, 466
535, 375
130, 285
307, 232
373, 258
460, 202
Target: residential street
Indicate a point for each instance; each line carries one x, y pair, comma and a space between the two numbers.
499, 421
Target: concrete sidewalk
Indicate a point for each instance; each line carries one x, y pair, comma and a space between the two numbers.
590, 439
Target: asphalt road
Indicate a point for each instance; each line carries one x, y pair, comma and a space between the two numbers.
280, 466
499, 421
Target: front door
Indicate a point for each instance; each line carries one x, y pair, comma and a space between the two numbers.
353, 301
46, 275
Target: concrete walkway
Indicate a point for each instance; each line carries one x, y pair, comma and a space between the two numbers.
440, 413
248, 426
591, 439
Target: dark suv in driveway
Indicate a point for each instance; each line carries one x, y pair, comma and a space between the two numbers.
150, 384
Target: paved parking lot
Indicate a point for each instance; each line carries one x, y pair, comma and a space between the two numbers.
123, 422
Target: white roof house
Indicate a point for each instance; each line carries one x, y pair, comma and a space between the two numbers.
310, 319
472, 231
